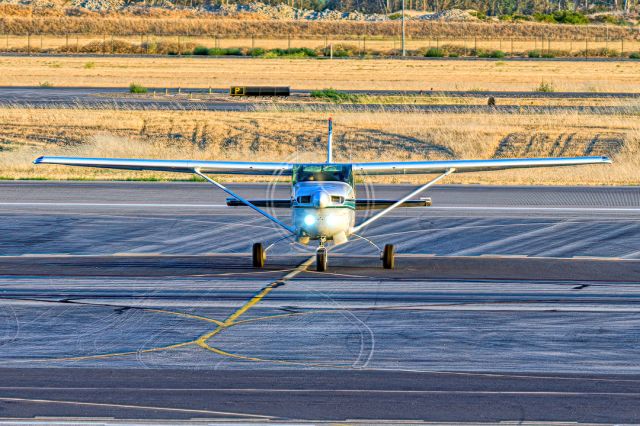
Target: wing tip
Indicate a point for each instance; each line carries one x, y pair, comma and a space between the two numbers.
39, 160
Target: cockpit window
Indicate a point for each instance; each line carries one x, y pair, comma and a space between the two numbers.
323, 173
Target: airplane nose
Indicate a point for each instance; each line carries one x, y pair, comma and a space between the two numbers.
321, 199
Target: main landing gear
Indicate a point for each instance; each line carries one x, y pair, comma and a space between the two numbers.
259, 256
388, 257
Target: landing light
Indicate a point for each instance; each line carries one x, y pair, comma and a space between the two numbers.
309, 219
332, 220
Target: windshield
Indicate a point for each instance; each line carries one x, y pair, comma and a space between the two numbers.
323, 173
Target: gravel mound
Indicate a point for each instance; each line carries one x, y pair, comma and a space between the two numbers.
98, 5
449, 15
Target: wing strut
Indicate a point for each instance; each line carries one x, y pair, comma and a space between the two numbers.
399, 202
245, 201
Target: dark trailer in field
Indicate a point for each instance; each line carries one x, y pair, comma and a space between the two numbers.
259, 91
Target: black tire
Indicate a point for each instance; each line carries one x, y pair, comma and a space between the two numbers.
258, 255
388, 257
321, 260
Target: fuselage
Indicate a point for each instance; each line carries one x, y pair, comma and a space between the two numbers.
323, 202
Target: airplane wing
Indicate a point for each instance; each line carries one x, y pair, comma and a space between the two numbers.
180, 166
285, 169
461, 166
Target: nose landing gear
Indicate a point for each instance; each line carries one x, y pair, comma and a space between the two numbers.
322, 259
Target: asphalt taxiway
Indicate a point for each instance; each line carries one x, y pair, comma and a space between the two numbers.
200, 100
137, 300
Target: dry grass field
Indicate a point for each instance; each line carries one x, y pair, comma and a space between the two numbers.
247, 25
312, 74
363, 136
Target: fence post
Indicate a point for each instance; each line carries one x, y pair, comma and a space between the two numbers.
28, 43
586, 47
331, 51
40, 42
288, 41
253, 41
179, 49
621, 46
77, 43
512, 47
104, 44
549, 45
112, 48
475, 45
66, 47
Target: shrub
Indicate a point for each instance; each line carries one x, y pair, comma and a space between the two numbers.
478, 14
110, 46
545, 87
308, 52
342, 50
137, 88
233, 51
542, 17
201, 50
455, 49
89, 65
453, 54
216, 51
601, 52
334, 95
548, 55
562, 17
395, 16
519, 17
434, 52
533, 53
634, 55
257, 51
492, 54
270, 55
570, 17
296, 52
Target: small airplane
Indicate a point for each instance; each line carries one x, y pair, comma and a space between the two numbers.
323, 198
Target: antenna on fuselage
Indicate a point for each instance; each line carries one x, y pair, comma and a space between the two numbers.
329, 142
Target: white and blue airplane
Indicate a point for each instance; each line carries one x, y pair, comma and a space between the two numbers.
323, 199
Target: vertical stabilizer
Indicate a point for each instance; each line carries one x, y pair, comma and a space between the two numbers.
330, 142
